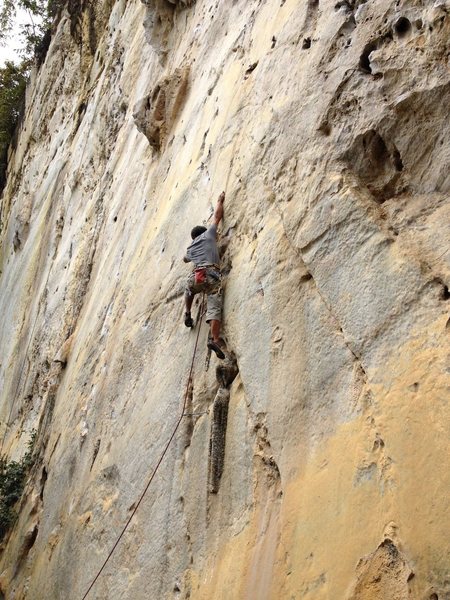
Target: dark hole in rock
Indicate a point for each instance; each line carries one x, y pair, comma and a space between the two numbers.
445, 294
402, 26
31, 540
378, 443
306, 43
434, 597
251, 68
447, 325
95, 452
342, 4
364, 62
377, 163
418, 23
28, 543
397, 160
154, 95
44, 477
374, 144
325, 128
115, 219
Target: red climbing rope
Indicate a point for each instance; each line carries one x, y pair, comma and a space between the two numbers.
199, 319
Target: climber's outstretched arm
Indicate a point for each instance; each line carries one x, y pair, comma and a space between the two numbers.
218, 213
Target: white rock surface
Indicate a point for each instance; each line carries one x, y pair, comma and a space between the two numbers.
326, 122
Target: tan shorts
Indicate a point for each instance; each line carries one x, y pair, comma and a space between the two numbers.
213, 288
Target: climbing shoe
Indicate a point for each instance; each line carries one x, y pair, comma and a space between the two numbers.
188, 320
213, 346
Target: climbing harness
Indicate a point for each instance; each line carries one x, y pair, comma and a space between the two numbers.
200, 276
161, 458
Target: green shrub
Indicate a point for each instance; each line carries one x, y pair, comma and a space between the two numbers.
40, 17
12, 481
13, 81
36, 37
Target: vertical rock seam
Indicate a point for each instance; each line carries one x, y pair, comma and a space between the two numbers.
225, 374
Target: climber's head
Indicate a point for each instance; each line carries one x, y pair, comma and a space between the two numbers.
198, 230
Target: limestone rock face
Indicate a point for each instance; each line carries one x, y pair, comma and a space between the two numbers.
156, 113
314, 464
383, 574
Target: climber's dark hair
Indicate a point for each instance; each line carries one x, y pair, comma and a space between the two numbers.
198, 230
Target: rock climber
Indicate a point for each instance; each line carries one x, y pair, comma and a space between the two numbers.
206, 277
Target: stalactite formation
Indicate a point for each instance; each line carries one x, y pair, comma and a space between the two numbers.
226, 372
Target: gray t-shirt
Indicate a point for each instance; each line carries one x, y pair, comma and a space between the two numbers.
203, 250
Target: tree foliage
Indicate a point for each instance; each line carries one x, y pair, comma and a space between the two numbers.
40, 13
13, 80
12, 481
35, 37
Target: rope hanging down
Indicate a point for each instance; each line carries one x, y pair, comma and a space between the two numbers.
182, 414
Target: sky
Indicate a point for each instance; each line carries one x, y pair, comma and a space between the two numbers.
10, 50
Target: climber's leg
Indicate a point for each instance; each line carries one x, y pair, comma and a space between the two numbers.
215, 330
214, 318
188, 300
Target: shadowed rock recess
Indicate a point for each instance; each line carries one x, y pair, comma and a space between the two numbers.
313, 464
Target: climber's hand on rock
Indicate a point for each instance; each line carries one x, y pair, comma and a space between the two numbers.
218, 213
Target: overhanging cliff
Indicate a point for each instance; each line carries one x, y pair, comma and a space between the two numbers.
322, 472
